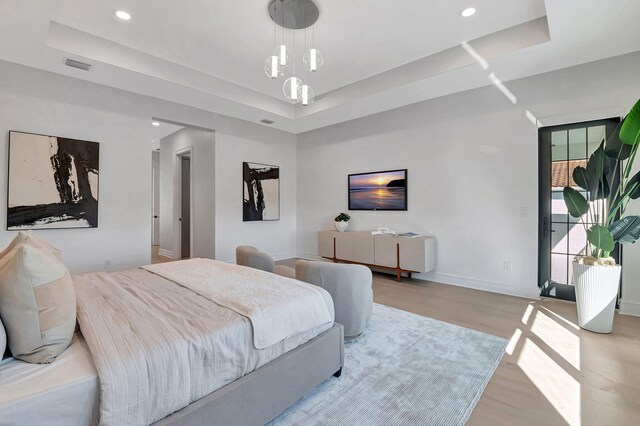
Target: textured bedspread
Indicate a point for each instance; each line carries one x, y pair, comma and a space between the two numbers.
264, 298
158, 346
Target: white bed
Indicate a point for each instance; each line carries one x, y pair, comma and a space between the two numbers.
62, 393
68, 391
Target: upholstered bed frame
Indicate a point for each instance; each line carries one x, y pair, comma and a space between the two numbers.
262, 395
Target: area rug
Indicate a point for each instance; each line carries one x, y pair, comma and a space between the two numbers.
405, 369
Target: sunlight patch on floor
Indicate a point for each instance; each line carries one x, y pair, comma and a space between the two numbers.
563, 341
527, 314
560, 318
513, 342
559, 387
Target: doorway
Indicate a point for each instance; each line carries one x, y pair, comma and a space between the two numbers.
184, 218
186, 191
561, 236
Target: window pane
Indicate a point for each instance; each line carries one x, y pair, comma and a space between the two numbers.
577, 239
559, 175
559, 264
559, 211
559, 238
595, 136
559, 145
578, 143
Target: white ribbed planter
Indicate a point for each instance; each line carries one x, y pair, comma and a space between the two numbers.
596, 293
341, 226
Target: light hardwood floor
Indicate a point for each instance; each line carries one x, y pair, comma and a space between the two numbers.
553, 373
156, 258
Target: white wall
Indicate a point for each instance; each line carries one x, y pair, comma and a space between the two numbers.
43, 102
242, 143
472, 161
201, 143
123, 232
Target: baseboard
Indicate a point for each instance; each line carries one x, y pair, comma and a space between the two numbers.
450, 279
629, 308
165, 253
484, 285
283, 256
308, 256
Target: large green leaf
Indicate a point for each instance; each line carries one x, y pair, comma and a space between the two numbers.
614, 147
597, 169
601, 238
633, 187
630, 129
626, 230
575, 201
580, 177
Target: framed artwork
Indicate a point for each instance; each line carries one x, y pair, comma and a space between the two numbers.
261, 192
53, 182
386, 190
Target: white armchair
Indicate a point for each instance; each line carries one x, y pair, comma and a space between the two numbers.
254, 258
349, 287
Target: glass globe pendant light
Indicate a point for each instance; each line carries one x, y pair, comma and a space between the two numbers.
313, 60
272, 67
307, 95
292, 89
282, 52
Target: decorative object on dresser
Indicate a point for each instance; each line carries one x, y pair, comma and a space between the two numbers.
608, 187
254, 258
399, 254
385, 190
349, 287
53, 182
261, 192
342, 222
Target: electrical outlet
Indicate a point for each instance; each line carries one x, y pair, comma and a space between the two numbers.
107, 265
524, 211
506, 266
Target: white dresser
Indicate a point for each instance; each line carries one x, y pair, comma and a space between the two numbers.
400, 254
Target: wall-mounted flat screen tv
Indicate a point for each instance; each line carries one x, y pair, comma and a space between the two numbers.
385, 190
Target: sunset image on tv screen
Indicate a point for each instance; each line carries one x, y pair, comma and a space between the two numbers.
378, 191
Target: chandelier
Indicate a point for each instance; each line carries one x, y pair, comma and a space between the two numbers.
294, 15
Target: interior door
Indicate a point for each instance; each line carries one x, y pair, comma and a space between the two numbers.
562, 237
185, 208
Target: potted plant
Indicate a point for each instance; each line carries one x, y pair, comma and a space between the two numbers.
609, 186
342, 221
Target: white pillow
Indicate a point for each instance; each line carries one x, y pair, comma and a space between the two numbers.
37, 303
28, 237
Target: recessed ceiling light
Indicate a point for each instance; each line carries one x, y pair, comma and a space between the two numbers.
469, 11
123, 15
155, 123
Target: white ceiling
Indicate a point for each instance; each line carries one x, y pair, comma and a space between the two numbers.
379, 55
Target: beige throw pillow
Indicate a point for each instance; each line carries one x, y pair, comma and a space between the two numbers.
3, 340
37, 303
28, 237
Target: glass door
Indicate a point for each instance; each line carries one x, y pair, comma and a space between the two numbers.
562, 237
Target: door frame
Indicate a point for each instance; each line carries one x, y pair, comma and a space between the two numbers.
562, 291
155, 214
177, 201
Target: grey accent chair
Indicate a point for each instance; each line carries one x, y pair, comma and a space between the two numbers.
254, 258
350, 288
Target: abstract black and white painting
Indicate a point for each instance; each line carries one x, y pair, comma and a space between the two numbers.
261, 192
53, 182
